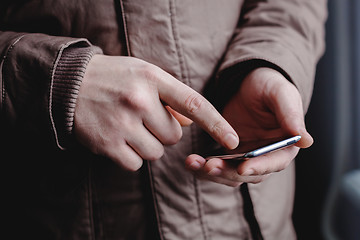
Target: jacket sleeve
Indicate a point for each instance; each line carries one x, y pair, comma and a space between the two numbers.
287, 35
40, 76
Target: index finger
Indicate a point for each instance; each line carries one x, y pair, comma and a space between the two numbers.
193, 105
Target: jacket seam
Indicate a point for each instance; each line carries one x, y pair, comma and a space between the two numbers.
126, 34
90, 205
185, 77
200, 209
197, 189
156, 205
176, 36
3, 66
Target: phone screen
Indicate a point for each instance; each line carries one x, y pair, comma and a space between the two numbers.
252, 149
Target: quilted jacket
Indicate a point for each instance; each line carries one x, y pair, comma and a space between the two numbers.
53, 188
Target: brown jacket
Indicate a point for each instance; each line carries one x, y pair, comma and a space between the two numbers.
55, 189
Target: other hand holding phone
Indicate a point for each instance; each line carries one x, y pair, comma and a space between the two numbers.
267, 105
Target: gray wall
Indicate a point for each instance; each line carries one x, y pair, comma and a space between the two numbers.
327, 204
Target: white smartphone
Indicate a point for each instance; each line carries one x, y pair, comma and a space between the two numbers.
259, 151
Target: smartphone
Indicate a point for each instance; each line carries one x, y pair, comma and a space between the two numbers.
258, 151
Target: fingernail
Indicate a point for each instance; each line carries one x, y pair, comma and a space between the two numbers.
215, 172
195, 166
231, 141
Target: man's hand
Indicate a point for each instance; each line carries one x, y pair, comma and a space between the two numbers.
128, 109
267, 105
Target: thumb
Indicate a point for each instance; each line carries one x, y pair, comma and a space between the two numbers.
291, 116
294, 124
288, 107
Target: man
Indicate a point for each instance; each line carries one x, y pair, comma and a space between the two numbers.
94, 94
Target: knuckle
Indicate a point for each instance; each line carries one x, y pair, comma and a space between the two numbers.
155, 154
194, 103
137, 101
133, 165
261, 172
217, 128
257, 179
126, 160
173, 138
151, 73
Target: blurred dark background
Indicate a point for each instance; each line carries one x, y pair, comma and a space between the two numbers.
327, 204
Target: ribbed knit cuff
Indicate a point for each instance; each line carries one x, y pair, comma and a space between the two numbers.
67, 79
229, 80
